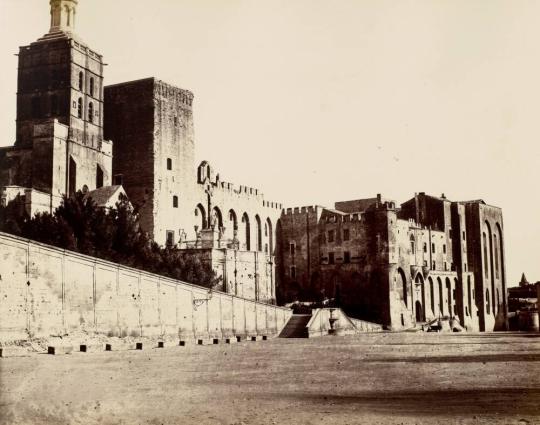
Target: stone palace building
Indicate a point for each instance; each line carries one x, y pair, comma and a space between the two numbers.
393, 265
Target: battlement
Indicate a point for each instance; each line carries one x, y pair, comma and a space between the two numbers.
301, 210
207, 175
159, 87
346, 218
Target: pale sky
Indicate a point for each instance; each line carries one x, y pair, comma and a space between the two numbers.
320, 101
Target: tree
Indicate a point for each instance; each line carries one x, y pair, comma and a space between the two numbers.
113, 234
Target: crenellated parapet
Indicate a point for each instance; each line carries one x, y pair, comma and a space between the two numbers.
206, 175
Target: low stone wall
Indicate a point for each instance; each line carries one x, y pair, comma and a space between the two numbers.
363, 326
46, 291
319, 324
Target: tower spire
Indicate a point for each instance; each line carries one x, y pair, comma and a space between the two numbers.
63, 13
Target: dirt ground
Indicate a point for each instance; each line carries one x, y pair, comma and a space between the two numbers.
386, 378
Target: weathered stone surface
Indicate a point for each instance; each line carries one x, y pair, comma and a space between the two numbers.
398, 267
49, 291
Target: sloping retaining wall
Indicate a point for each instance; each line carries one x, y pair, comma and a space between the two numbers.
319, 324
46, 291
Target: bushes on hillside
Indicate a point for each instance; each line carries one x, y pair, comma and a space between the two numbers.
112, 234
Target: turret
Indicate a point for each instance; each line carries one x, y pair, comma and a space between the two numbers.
63, 13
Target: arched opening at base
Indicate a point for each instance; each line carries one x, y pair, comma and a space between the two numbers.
418, 311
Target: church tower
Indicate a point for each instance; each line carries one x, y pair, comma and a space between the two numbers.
59, 146
61, 77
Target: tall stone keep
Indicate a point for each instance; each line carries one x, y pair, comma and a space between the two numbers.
59, 146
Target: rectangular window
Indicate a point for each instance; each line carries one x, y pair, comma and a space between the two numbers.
449, 233
330, 236
464, 235
292, 248
444, 249
425, 247
433, 266
331, 259
169, 164
170, 238
346, 234
293, 272
346, 257
175, 201
433, 248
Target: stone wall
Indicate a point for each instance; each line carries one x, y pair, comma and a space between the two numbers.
47, 291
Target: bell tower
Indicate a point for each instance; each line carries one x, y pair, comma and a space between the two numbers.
61, 77
63, 14
59, 146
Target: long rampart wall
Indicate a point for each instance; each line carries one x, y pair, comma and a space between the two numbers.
46, 291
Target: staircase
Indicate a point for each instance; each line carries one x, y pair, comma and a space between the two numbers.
296, 327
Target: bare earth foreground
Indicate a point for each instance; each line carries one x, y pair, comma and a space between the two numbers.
386, 378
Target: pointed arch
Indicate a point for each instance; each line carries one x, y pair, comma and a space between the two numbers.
200, 214
431, 295
469, 295
259, 232
449, 296
402, 285
441, 297
489, 262
217, 217
246, 241
421, 298
270, 236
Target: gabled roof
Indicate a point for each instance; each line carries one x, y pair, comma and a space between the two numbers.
106, 196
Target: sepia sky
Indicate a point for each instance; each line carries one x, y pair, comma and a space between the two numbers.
320, 101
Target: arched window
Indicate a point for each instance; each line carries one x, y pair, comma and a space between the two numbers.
412, 244
80, 81
92, 86
79, 107
91, 112
175, 201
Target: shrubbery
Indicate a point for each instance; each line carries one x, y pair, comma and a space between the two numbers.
112, 234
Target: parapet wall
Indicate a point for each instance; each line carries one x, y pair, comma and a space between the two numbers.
46, 291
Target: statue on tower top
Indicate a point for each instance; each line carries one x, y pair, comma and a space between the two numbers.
63, 13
